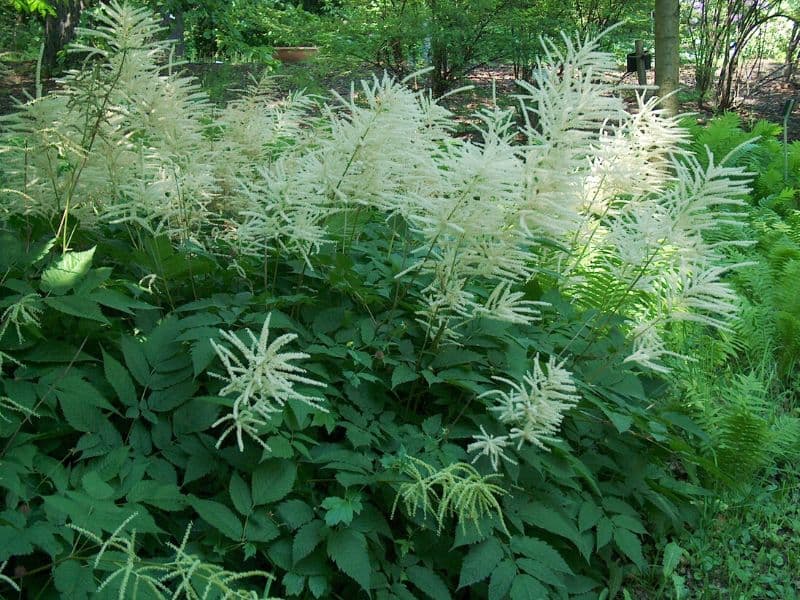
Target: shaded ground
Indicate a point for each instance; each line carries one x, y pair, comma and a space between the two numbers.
763, 91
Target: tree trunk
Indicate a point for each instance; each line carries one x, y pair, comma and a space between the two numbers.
667, 24
439, 60
172, 19
791, 52
59, 29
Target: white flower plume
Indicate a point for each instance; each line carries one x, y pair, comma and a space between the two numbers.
492, 446
535, 408
263, 380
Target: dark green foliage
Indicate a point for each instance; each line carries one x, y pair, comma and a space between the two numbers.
114, 410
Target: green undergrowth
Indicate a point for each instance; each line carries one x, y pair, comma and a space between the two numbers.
745, 391
325, 349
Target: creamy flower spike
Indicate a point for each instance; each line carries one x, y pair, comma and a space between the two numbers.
263, 380
492, 446
535, 408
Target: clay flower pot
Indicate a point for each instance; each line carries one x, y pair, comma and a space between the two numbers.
294, 54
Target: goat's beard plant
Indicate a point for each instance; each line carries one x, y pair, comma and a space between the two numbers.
569, 191
614, 191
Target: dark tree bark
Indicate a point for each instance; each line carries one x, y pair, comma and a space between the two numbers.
59, 29
172, 19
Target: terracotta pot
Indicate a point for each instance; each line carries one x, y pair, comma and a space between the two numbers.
294, 54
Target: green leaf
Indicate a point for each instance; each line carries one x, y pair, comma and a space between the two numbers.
118, 300
341, 510
203, 354
631, 546
13, 543
293, 584
96, 487
133, 351
348, 549
501, 580
240, 495
73, 580
480, 561
194, 416
526, 587
549, 519
273, 480
306, 539
428, 582
628, 522
318, 585
621, 422
77, 306
589, 515
67, 271
605, 529
219, 516
541, 552
403, 374
120, 380
295, 513
166, 496
672, 556
367, 330
260, 528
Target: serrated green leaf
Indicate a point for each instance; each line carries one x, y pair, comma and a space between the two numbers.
589, 515
280, 447
273, 480
605, 529
306, 539
526, 587
348, 550
73, 580
13, 543
621, 422
194, 416
120, 380
166, 496
549, 519
260, 528
118, 301
501, 579
77, 306
541, 572
672, 557
294, 584
628, 522
428, 582
135, 360
172, 397
67, 271
295, 513
240, 495
203, 354
480, 561
161, 344
403, 374
96, 487
341, 510
219, 516
318, 585
630, 545
541, 552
